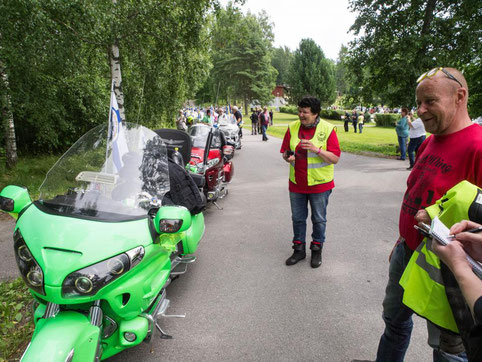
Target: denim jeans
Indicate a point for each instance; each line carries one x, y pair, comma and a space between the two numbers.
360, 127
264, 127
402, 142
413, 146
398, 318
299, 213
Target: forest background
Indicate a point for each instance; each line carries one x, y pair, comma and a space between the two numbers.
58, 59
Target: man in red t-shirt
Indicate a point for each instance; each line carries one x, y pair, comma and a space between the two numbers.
311, 148
453, 153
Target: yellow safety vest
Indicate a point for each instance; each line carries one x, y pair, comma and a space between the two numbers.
422, 281
319, 171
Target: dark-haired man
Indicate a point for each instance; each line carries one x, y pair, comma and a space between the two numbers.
452, 153
311, 147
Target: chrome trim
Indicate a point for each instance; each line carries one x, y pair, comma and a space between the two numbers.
135, 255
51, 311
95, 314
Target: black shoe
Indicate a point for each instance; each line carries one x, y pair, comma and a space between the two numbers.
298, 254
316, 249
409, 168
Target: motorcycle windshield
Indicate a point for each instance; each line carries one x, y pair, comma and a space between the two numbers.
199, 135
116, 176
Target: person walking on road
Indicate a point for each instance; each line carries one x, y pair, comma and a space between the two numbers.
254, 121
401, 128
239, 120
264, 120
311, 147
417, 135
452, 153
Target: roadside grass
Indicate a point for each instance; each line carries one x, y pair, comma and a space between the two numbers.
376, 141
29, 172
16, 322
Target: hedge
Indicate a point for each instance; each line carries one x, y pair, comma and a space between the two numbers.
334, 114
386, 119
289, 109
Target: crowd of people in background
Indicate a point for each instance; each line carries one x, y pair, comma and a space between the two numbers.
261, 119
210, 116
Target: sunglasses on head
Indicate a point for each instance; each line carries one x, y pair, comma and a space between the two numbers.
434, 71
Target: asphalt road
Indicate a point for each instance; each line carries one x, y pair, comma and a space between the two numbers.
242, 303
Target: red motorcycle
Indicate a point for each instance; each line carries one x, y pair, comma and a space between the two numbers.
215, 165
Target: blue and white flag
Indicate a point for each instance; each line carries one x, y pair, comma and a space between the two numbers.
116, 132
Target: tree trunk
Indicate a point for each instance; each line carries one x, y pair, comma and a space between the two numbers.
425, 33
116, 76
9, 125
246, 106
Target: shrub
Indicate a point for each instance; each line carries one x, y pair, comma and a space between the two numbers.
289, 109
334, 114
386, 119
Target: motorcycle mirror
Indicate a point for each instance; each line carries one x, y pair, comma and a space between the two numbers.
13, 199
172, 219
209, 142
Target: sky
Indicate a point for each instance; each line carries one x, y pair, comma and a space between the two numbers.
325, 21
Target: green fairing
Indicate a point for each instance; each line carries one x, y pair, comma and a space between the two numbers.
191, 237
72, 330
63, 244
20, 197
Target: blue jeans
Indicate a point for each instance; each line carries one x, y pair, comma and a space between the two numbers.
360, 127
264, 127
402, 142
398, 318
413, 146
299, 213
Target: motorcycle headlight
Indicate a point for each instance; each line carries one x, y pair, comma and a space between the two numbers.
31, 272
89, 280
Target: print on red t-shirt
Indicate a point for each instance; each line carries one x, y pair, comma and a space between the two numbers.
442, 162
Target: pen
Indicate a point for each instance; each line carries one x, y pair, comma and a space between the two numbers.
472, 231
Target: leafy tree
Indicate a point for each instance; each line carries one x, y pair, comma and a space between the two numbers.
241, 58
56, 56
311, 73
402, 39
281, 61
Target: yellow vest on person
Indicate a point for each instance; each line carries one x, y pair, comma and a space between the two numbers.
422, 281
319, 171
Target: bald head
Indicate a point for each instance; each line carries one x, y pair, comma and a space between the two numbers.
442, 102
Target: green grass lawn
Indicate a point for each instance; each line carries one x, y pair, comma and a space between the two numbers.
374, 140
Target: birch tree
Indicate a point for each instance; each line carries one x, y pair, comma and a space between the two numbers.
7, 117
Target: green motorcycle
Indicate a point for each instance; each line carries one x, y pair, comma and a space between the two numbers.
98, 248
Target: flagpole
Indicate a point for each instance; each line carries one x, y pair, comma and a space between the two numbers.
109, 129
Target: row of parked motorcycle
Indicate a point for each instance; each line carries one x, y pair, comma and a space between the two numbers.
105, 238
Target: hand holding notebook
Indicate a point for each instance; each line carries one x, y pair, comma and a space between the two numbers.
441, 234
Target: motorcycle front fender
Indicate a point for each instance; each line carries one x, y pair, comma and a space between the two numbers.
69, 336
